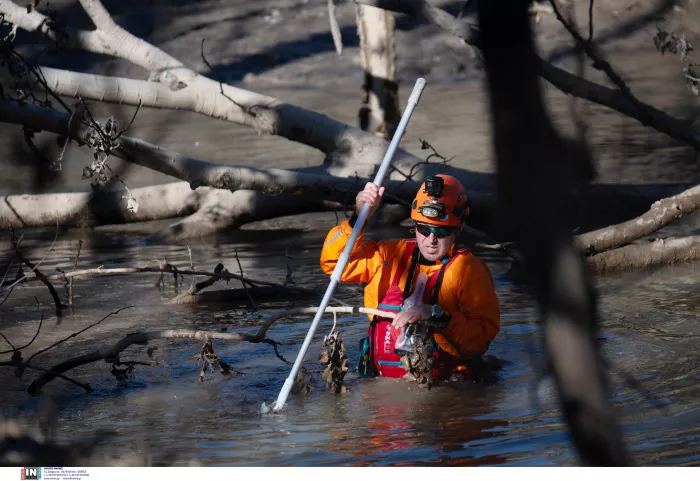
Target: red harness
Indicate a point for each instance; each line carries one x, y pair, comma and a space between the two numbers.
382, 335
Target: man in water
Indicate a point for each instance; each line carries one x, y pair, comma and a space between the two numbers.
435, 287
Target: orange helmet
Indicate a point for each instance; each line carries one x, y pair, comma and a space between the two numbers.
441, 200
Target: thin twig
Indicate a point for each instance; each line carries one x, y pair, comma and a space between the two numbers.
37, 264
245, 288
7, 341
598, 61
221, 84
76, 333
45, 281
121, 132
9, 265
24, 365
70, 281
167, 268
189, 251
42, 80
41, 322
274, 345
199, 286
12, 257
590, 21
91, 120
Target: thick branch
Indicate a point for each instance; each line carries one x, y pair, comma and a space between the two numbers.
661, 213
101, 272
659, 252
77, 208
111, 40
179, 88
199, 173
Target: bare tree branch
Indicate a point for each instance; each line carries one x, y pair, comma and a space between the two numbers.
178, 87
199, 173
335, 29
40, 276
566, 82
658, 252
100, 272
22, 365
111, 353
590, 21
587, 46
41, 322
661, 214
75, 267
75, 334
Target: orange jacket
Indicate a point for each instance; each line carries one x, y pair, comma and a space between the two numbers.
467, 290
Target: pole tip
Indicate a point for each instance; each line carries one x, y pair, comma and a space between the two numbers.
417, 90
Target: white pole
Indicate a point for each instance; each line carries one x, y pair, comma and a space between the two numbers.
345, 256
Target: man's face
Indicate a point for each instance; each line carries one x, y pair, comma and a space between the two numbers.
433, 245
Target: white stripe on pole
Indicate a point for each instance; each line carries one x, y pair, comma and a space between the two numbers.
345, 256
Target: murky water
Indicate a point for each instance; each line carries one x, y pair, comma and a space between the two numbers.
649, 333
649, 317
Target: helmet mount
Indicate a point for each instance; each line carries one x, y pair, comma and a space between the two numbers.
441, 200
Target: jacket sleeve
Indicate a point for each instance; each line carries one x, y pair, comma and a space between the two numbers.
478, 320
365, 259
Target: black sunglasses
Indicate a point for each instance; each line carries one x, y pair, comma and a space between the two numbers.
438, 231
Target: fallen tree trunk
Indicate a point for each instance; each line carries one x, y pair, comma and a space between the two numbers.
87, 209
225, 210
661, 213
210, 210
656, 253
199, 173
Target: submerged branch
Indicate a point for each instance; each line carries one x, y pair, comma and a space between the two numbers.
111, 353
